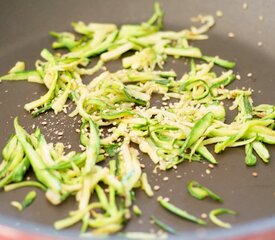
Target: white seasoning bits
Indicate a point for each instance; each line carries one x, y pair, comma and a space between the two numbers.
156, 187
261, 18
219, 13
82, 148
44, 123
207, 171
60, 133
255, 174
245, 6
178, 176
260, 44
142, 165
238, 77
77, 130
204, 215
231, 34
165, 179
210, 165
249, 75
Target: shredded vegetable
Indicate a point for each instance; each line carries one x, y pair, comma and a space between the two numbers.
176, 131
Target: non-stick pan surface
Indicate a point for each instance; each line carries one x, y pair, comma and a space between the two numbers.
24, 27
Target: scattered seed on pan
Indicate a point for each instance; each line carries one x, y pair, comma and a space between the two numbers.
219, 13
77, 130
261, 18
249, 75
165, 179
156, 187
207, 171
204, 215
178, 176
260, 44
245, 6
142, 165
82, 148
231, 35
255, 174
210, 165
238, 77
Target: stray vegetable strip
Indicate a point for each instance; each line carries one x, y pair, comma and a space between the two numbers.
163, 225
213, 216
200, 192
179, 212
28, 200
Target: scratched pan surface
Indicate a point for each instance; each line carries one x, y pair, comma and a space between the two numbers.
24, 27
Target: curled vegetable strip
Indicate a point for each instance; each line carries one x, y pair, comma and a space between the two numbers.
200, 192
179, 212
213, 217
163, 225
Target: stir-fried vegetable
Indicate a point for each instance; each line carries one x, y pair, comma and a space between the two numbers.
28, 200
176, 131
163, 225
213, 216
200, 192
179, 212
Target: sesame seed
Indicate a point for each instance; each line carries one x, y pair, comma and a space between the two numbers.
156, 187
165, 179
77, 130
260, 44
44, 123
82, 148
178, 176
167, 199
261, 18
238, 77
210, 165
255, 174
245, 6
231, 35
142, 165
207, 171
204, 215
219, 13
249, 75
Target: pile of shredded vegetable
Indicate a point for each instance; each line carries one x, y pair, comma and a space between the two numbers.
190, 117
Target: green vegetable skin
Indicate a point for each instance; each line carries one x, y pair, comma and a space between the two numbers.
179, 212
213, 216
200, 192
171, 134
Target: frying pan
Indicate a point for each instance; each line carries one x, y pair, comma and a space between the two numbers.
24, 27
